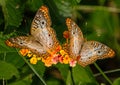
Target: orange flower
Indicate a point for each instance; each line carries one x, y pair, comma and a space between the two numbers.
24, 52
47, 61
66, 34
58, 48
66, 59
43, 59
33, 60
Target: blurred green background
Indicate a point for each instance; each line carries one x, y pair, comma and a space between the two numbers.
98, 19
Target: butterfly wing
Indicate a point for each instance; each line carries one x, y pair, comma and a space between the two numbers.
76, 38
93, 50
27, 43
41, 29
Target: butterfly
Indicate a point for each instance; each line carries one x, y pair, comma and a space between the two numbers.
86, 52
42, 38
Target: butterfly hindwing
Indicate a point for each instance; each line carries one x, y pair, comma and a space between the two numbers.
93, 50
76, 38
25, 42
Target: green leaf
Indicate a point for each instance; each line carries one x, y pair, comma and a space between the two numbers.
64, 70
117, 81
9, 54
14, 58
40, 68
78, 1
4, 48
117, 3
53, 82
7, 70
12, 12
22, 82
66, 7
34, 4
69, 79
83, 76
102, 24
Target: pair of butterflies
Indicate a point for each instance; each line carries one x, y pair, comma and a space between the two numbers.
43, 39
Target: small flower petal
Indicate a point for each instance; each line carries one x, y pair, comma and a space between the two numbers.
33, 60
55, 59
66, 59
47, 61
73, 63
24, 52
58, 48
61, 59
62, 52
29, 54
39, 58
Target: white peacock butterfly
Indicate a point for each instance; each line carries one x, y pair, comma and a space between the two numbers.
43, 43
42, 39
85, 52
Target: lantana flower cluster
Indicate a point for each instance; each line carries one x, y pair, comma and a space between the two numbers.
57, 56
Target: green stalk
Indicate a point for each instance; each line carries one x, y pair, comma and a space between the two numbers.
32, 68
103, 74
107, 72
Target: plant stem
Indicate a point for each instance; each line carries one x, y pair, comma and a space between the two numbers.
73, 82
93, 8
110, 82
32, 68
107, 72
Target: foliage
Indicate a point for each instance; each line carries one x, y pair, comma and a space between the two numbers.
99, 20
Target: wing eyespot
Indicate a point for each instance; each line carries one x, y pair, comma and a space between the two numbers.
21, 43
50, 44
73, 32
43, 22
98, 51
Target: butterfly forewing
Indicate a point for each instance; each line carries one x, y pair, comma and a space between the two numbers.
41, 29
41, 19
93, 50
76, 38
